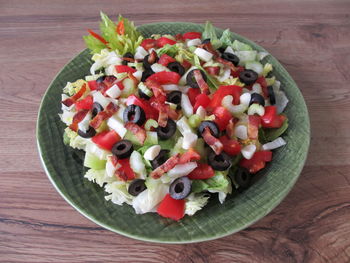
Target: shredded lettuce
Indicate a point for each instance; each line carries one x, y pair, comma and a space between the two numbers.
195, 202
272, 134
72, 88
118, 193
267, 69
226, 38
209, 32
75, 141
240, 46
170, 50
99, 177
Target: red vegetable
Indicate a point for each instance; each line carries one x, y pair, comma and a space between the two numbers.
262, 81
226, 63
222, 117
165, 60
253, 126
165, 77
201, 100
125, 172
179, 38
70, 101
120, 28
84, 104
235, 73
148, 43
222, 91
192, 35
162, 41
192, 95
202, 171
271, 119
92, 85
106, 139
257, 162
189, 156
124, 68
186, 64
171, 208
212, 141
231, 147
97, 36
151, 113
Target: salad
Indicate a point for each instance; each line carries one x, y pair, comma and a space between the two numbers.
167, 122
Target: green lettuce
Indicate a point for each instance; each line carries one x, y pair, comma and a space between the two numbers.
209, 32
226, 38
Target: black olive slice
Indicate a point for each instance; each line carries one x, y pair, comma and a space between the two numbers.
205, 41
88, 134
160, 159
212, 126
96, 108
242, 177
230, 57
136, 187
271, 95
220, 162
135, 114
100, 79
122, 149
180, 188
174, 97
248, 76
191, 81
127, 55
143, 95
168, 131
176, 67
257, 98
146, 73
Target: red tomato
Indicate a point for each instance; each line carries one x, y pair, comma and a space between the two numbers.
271, 119
257, 162
162, 41
213, 70
124, 68
189, 156
179, 37
125, 171
165, 60
192, 95
106, 139
202, 171
92, 85
222, 91
84, 104
201, 100
235, 74
186, 64
98, 37
254, 122
120, 85
231, 147
120, 28
165, 77
222, 117
171, 208
151, 113
192, 35
262, 81
148, 43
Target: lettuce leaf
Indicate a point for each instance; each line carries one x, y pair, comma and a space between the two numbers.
272, 134
170, 50
209, 32
99, 177
226, 38
195, 202
118, 193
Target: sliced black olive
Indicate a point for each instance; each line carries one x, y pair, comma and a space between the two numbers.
122, 149
160, 159
147, 64
96, 108
180, 188
127, 55
205, 41
271, 95
168, 131
143, 95
176, 67
146, 74
136, 187
243, 178
221, 49
174, 97
230, 57
248, 76
135, 114
257, 98
212, 126
220, 162
88, 134
191, 81
100, 79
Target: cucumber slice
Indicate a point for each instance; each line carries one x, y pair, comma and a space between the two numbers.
93, 162
145, 90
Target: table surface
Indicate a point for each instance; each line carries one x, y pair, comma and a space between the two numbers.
310, 38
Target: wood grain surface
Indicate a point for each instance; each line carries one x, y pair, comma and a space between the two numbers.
310, 38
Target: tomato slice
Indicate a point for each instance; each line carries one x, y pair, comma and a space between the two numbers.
270, 119
192, 95
125, 172
231, 147
162, 41
92, 85
253, 126
165, 77
202, 171
106, 139
262, 81
84, 104
171, 208
201, 100
148, 43
165, 60
120, 28
222, 117
186, 64
192, 35
222, 91
151, 113
236, 73
124, 68
257, 162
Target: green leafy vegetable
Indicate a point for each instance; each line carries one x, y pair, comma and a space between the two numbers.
240, 46
226, 38
209, 32
170, 50
272, 134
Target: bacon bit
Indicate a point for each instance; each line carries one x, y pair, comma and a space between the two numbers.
189, 156
78, 117
163, 112
208, 47
179, 38
165, 167
227, 63
139, 132
103, 115
152, 57
172, 114
121, 175
157, 89
70, 101
132, 77
114, 160
128, 59
230, 129
200, 81
212, 70
253, 126
212, 141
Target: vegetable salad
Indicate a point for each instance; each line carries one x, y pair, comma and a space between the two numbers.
168, 121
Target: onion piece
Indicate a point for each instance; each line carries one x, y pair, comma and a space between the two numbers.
274, 144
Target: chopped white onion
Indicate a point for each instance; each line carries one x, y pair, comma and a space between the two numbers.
183, 80
83, 125
201, 112
194, 42
189, 140
137, 164
117, 125
241, 132
183, 125
248, 151
262, 55
256, 109
256, 88
140, 53
274, 144
110, 168
186, 105
245, 99
203, 54
182, 169
184, 89
138, 74
152, 152
229, 50
114, 91
226, 74
98, 97
158, 67
170, 87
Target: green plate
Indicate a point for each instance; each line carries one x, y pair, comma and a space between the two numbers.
64, 167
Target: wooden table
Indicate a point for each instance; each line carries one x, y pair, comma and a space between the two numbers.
310, 38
